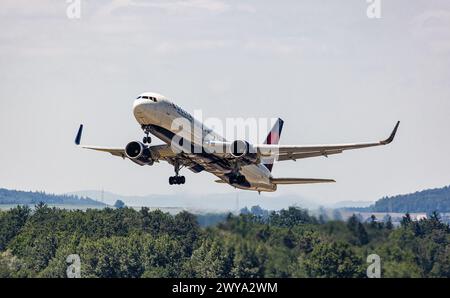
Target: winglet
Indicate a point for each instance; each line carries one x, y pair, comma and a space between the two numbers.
392, 136
78, 137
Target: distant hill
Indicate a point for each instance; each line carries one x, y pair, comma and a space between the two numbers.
231, 201
357, 204
430, 200
13, 197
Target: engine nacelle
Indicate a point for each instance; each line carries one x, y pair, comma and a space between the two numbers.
242, 149
239, 148
139, 153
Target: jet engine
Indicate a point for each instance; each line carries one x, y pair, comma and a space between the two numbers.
242, 149
139, 153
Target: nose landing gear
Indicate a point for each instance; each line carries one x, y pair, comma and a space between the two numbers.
147, 139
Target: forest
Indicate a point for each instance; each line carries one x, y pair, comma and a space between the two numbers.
130, 243
16, 197
426, 201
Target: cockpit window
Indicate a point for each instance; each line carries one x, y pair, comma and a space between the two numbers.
148, 97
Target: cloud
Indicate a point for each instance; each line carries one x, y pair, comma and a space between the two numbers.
277, 46
273, 46
432, 29
23, 8
432, 21
260, 46
174, 47
245, 8
169, 6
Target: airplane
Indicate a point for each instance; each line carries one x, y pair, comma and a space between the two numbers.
240, 164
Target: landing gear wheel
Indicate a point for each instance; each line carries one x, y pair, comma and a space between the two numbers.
177, 180
147, 140
147, 129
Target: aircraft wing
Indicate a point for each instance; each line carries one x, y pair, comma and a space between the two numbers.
114, 151
293, 152
159, 151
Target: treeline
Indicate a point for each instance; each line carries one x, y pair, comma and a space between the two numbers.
16, 197
290, 243
425, 201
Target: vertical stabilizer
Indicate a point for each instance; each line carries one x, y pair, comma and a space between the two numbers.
272, 139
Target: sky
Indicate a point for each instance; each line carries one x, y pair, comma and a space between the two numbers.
332, 73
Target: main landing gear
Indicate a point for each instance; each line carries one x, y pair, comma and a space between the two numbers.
177, 179
239, 179
236, 177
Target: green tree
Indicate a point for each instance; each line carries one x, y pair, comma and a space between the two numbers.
248, 261
358, 231
210, 260
119, 204
187, 230
291, 217
162, 255
11, 266
373, 221
406, 220
389, 224
332, 260
11, 222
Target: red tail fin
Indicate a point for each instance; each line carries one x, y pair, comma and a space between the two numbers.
272, 139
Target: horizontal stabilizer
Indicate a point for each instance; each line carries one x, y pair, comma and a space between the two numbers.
300, 180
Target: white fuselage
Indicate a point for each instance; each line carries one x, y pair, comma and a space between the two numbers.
157, 111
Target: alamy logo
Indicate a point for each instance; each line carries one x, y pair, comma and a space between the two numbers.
74, 269
374, 269
73, 10
374, 9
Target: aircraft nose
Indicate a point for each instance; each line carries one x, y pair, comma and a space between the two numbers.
137, 104
140, 106
144, 110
